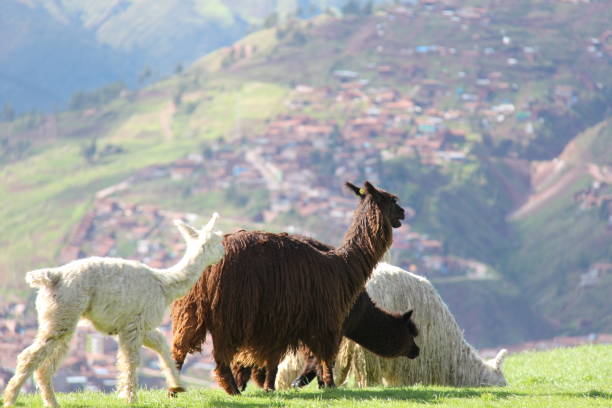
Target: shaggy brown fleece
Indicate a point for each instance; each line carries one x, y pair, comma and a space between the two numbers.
273, 292
385, 333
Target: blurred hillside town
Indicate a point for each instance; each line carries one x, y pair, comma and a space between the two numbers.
299, 158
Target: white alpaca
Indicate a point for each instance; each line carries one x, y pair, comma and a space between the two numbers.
445, 358
120, 297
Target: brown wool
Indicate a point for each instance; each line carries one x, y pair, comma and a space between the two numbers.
272, 292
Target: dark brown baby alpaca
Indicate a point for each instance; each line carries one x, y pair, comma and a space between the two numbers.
271, 292
384, 333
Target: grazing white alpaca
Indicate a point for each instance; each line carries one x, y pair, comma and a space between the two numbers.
120, 297
446, 358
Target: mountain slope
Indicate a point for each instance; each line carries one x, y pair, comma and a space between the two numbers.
566, 234
54, 48
430, 101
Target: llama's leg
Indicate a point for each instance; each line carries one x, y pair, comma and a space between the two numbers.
326, 353
319, 375
155, 340
225, 378
56, 325
241, 375
327, 359
259, 376
327, 369
223, 354
271, 370
128, 360
309, 372
27, 361
45, 371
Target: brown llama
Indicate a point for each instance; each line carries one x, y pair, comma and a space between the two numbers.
271, 292
384, 333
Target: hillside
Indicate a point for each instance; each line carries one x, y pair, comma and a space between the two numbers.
576, 378
460, 110
566, 230
52, 49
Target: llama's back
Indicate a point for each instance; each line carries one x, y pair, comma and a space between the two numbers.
123, 292
445, 359
109, 291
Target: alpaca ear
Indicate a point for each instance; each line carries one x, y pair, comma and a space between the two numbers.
211, 223
406, 316
187, 231
358, 191
499, 358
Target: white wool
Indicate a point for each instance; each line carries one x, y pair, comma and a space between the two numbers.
118, 296
288, 369
445, 358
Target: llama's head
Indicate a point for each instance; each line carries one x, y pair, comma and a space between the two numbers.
491, 373
408, 331
386, 202
206, 239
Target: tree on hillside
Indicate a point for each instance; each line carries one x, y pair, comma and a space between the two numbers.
271, 20
351, 8
89, 151
145, 75
8, 113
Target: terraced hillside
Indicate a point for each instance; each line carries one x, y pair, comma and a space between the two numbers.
465, 111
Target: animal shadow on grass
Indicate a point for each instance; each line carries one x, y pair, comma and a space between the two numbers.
588, 394
239, 402
399, 394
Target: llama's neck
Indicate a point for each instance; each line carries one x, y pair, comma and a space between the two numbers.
366, 241
374, 328
178, 279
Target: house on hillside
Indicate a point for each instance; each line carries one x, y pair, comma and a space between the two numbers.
595, 273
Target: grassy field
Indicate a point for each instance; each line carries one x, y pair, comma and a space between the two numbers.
577, 377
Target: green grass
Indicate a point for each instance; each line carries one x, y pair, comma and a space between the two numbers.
578, 377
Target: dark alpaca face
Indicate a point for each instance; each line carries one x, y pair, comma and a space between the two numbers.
410, 350
387, 202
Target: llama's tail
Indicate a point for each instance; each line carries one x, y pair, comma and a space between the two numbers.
43, 278
188, 329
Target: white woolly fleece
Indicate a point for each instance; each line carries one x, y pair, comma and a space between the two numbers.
445, 359
118, 296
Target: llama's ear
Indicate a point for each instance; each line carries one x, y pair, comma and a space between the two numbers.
211, 223
499, 358
187, 231
358, 191
371, 189
406, 316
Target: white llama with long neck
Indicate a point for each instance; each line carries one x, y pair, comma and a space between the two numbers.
120, 297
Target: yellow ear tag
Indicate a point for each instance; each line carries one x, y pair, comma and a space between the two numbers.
362, 191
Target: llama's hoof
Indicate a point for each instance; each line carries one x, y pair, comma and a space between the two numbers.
127, 396
172, 391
